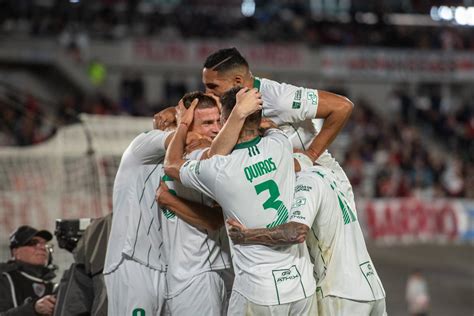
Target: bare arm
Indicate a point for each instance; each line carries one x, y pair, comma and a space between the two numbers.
174, 154
285, 234
196, 214
165, 119
336, 110
248, 102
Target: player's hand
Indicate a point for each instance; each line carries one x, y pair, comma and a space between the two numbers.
162, 194
186, 116
248, 102
165, 119
45, 305
236, 231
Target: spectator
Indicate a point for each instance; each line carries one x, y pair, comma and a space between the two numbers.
417, 295
25, 281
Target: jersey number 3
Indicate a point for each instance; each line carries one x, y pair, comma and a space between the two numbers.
272, 202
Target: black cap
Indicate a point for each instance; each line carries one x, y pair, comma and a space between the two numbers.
23, 234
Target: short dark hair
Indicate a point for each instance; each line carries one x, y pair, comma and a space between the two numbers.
228, 101
225, 59
204, 101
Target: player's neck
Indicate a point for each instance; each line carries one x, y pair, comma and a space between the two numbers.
247, 134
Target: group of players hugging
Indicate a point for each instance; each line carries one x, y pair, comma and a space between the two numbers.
233, 206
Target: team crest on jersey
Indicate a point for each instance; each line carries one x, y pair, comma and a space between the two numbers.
39, 289
313, 97
300, 201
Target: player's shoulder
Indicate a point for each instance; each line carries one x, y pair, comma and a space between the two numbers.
316, 173
213, 164
276, 135
196, 154
266, 86
149, 136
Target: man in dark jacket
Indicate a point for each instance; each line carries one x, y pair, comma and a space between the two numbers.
25, 281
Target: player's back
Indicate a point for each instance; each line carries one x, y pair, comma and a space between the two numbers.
146, 149
144, 240
254, 184
343, 267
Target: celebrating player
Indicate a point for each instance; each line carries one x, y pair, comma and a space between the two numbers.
254, 184
199, 266
134, 269
347, 282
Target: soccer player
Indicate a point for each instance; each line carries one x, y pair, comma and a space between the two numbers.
254, 184
133, 268
199, 265
137, 254
322, 214
294, 109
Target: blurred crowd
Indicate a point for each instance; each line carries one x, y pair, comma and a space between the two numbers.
394, 159
75, 22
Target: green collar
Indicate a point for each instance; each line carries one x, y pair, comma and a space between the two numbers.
257, 83
248, 144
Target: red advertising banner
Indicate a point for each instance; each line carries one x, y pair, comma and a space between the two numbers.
416, 220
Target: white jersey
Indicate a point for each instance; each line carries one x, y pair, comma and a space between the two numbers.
190, 251
294, 110
130, 223
342, 265
254, 185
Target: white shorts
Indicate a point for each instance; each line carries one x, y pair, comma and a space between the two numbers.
337, 306
205, 295
239, 305
134, 289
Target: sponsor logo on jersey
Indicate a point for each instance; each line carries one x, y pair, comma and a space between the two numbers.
297, 214
259, 169
301, 187
297, 99
285, 275
298, 95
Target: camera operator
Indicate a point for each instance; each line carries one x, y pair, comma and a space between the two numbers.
82, 289
25, 281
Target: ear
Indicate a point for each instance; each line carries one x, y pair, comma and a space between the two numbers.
238, 80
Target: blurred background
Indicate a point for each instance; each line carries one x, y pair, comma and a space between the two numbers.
80, 78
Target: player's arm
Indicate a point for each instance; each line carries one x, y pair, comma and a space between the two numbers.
335, 110
305, 206
285, 234
196, 214
247, 103
165, 119
174, 154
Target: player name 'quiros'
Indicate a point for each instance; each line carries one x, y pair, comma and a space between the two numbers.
259, 169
